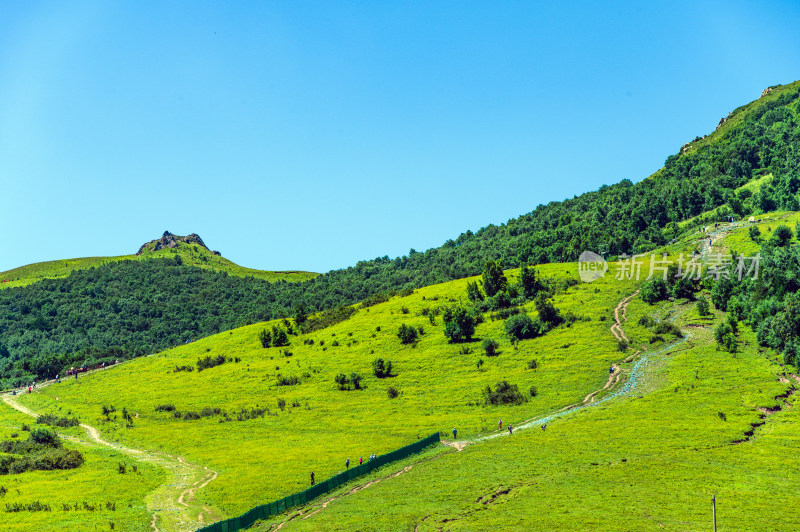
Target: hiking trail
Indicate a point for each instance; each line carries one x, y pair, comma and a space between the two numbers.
171, 504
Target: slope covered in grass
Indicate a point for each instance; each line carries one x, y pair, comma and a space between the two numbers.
190, 254
440, 386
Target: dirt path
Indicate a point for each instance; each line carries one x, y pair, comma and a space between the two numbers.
170, 504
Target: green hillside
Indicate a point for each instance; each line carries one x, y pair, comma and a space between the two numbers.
190, 254
657, 393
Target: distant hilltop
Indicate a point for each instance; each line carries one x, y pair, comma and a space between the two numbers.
168, 240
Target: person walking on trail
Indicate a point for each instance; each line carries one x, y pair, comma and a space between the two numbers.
510, 430
312, 478
454, 433
544, 426
360, 460
347, 463
500, 424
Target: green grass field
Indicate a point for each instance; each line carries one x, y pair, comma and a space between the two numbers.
651, 457
102, 494
191, 254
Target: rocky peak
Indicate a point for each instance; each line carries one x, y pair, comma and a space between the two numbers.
168, 240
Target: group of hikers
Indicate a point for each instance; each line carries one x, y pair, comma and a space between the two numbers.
500, 426
347, 464
70, 372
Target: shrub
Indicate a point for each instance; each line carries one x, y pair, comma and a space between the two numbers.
490, 347
548, 314
654, 290
755, 234
355, 380
165, 408
459, 324
280, 337
474, 293
726, 337
781, 236
721, 293
287, 381
342, 381
533, 364
282, 404
183, 368
45, 437
503, 394
392, 392
665, 327
191, 415
521, 326
382, 369
533, 391
265, 338
702, 307
327, 318
55, 421
493, 278
407, 334
656, 338
622, 345
209, 362
465, 350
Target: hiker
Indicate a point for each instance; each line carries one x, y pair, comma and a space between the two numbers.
500, 424
454, 434
715, 226
611, 369
360, 460
510, 430
312, 478
29, 389
347, 463
544, 426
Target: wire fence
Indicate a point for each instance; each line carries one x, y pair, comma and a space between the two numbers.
296, 499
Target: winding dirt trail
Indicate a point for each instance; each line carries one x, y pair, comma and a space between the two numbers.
170, 504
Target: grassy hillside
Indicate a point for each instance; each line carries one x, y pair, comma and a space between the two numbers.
191, 254
655, 454
320, 425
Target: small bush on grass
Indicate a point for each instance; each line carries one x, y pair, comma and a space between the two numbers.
407, 334
381, 368
490, 347
503, 394
392, 392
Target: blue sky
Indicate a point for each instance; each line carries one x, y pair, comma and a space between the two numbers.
311, 135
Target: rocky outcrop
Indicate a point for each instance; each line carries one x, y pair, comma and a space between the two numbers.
766, 91
168, 240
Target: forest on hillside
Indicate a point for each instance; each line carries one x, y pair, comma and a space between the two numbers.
130, 309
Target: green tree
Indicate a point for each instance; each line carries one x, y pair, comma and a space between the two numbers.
474, 293
755, 234
721, 293
300, 315
265, 338
493, 278
521, 326
459, 324
781, 236
407, 334
528, 282
548, 313
279, 337
725, 336
490, 347
654, 290
381, 368
702, 307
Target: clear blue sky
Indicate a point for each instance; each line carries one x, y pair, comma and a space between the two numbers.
311, 135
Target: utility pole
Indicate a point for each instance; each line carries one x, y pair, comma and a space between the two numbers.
714, 510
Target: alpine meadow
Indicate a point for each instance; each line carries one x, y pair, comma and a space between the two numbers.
600, 330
